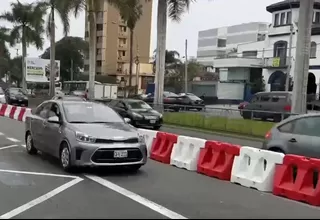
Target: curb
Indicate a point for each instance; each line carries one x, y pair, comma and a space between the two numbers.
215, 133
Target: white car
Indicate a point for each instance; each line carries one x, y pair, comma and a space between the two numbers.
2, 96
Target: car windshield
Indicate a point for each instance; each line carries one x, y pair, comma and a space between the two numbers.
82, 112
193, 97
16, 91
139, 105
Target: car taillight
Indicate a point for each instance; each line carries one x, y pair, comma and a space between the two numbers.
268, 135
287, 108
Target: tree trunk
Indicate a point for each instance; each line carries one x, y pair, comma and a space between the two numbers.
52, 55
131, 59
92, 51
160, 54
24, 55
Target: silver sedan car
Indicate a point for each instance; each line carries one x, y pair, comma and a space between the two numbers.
84, 134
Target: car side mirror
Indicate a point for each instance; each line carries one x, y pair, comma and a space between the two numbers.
54, 119
127, 120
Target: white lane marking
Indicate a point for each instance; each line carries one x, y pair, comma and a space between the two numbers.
23, 145
1, 133
13, 139
7, 147
39, 174
137, 198
40, 199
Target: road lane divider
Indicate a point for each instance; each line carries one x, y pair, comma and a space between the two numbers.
216, 159
255, 168
162, 147
185, 152
291, 176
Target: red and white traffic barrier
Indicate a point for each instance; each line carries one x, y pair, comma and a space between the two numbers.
14, 112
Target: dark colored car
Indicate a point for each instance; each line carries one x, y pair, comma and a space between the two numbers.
68, 98
191, 101
16, 96
140, 113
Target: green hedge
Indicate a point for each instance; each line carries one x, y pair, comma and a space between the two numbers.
216, 123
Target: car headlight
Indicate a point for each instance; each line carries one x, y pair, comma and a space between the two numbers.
84, 138
136, 115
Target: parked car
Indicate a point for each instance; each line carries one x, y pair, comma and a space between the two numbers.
68, 98
241, 106
84, 134
171, 101
140, 113
2, 96
298, 135
16, 96
268, 105
189, 101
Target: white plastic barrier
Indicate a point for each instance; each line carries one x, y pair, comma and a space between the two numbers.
255, 168
149, 136
185, 152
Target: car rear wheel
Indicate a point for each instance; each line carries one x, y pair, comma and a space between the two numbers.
65, 158
30, 146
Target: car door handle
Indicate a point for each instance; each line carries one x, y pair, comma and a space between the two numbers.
293, 140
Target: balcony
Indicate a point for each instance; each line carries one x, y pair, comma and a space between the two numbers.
99, 45
123, 34
121, 58
100, 20
122, 46
229, 62
276, 62
99, 57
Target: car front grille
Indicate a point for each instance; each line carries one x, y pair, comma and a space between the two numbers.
126, 141
107, 156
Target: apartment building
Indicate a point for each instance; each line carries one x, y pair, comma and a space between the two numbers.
113, 41
219, 42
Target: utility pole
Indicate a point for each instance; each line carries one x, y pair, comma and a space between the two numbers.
137, 62
290, 57
301, 69
186, 68
71, 70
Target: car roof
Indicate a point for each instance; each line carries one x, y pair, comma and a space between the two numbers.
294, 117
273, 93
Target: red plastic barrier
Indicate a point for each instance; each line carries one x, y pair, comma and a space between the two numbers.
3, 108
162, 147
302, 188
216, 159
12, 112
21, 114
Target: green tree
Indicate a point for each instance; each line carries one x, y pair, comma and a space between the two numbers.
28, 26
4, 52
130, 12
70, 51
59, 7
15, 70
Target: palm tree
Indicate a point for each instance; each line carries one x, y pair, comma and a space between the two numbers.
28, 26
4, 52
130, 12
59, 7
174, 9
91, 7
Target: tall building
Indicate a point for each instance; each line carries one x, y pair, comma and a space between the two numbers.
219, 42
113, 37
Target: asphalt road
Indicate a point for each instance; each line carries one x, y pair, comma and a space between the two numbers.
35, 187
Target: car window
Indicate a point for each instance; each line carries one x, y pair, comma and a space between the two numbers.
307, 126
278, 98
254, 99
286, 128
120, 105
265, 98
89, 112
139, 105
54, 111
43, 109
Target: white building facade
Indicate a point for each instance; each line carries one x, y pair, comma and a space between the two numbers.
272, 55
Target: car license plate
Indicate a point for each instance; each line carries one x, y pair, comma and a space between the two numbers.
152, 121
120, 154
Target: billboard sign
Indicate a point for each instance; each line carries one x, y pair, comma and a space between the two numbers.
38, 70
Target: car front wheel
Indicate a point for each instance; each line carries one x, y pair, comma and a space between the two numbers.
65, 158
29, 145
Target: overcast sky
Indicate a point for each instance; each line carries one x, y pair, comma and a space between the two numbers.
204, 14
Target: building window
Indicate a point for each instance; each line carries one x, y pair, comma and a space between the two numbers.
98, 51
99, 27
123, 28
119, 67
99, 63
86, 34
282, 18
100, 15
276, 20
280, 49
222, 43
99, 39
253, 53
86, 67
289, 18
121, 53
316, 18
261, 37
313, 50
